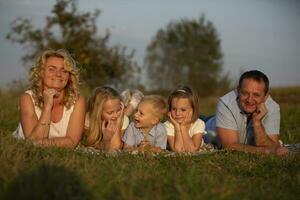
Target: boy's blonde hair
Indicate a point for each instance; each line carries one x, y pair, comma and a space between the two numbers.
93, 133
158, 104
191, 95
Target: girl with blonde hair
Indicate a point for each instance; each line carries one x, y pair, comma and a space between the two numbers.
105, 120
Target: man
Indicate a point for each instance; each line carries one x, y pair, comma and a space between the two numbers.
248, 119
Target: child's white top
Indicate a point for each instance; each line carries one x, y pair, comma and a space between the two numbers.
197, 127
58, 129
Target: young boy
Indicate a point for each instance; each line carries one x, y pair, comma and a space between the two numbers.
147, 132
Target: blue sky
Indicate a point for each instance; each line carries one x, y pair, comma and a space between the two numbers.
255, 34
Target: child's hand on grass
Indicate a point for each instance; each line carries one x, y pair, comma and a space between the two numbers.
144, 145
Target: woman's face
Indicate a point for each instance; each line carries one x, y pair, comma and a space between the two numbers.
111, 110
55, 75
180, 108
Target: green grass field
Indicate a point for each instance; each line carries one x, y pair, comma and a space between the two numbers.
29, 172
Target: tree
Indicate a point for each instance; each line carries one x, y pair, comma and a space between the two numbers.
77, 32
186, 52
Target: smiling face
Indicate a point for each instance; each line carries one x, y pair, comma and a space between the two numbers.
144, 117
111, 110
251, 94
55, 75
180, 107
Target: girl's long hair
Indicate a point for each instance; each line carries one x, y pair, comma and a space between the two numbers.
93, 133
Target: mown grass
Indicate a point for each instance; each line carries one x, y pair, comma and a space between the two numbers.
29, 172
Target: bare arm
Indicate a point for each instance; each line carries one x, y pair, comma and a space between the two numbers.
171, 141
34, 128
115, 142
229, 139
128, 147
178, 140
114, 128
175, 142
74, 130
191, 144
155, 149
261, 137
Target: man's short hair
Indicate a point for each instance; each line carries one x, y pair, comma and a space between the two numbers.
257, 76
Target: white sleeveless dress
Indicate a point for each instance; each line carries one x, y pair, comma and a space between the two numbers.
58, 129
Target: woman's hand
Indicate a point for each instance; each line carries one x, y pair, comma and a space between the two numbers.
49, 95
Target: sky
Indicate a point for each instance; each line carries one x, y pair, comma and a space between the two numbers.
255, 34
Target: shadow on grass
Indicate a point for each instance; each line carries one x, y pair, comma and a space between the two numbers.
47, 182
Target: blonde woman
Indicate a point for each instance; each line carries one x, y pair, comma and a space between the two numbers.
105, 120
52, 112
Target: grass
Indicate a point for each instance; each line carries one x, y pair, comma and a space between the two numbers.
28, 172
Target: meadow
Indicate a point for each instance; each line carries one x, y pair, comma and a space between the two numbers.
30, 172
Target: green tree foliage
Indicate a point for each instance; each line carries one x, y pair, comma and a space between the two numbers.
186, 52
70, 29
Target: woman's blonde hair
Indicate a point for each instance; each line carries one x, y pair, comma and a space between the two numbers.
191, 95
37, 73
93, 133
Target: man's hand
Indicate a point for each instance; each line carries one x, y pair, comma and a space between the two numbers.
281, 151
278, 150
260, 112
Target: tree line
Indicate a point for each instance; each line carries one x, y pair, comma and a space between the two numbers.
184, 52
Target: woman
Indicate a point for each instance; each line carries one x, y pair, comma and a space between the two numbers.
52, 112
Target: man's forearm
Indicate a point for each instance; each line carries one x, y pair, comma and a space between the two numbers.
249, 148
261, 137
